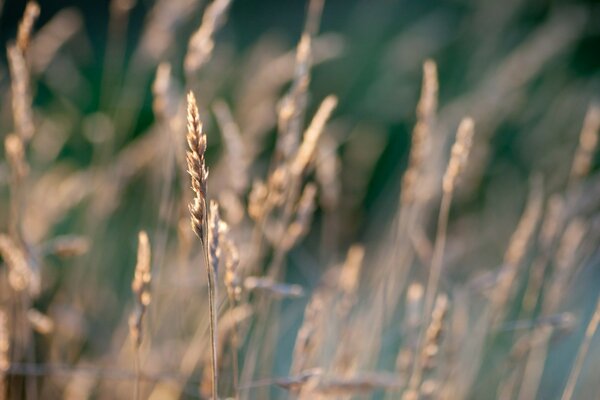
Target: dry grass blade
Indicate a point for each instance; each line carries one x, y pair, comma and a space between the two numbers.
196, 163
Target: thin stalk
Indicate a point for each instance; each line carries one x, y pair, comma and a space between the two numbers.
212, 313
583, 351
136, 387
433, 282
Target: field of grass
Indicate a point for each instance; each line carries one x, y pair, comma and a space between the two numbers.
326, 199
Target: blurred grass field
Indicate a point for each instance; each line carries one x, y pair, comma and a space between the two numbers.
106, 159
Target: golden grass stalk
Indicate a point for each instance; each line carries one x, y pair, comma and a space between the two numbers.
306, 152
228, 326
291, 108
15, 154
304, 213
21, 98
32, 12
458, 159
21, 276
232, 280
198, 172
141, 289
306, 340
517, 247
583, 351
41, 323
588, 141
426, 111
548, 233
201, 43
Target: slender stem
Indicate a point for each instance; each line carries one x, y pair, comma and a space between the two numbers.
583, 350
432, 283
136, 387
234, 352
212, 315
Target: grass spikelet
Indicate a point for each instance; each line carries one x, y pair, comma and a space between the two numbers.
162, 103
459, 154
301, 223
196, 167
231, 259
21, 98
306, 341
311, 136
588, 141
426, 111
32, 12
202, 42
232, 280
21, 276
256, 200
198, 172
15, 154
458, 159
41, 323
141, 289
517, 247
291, 108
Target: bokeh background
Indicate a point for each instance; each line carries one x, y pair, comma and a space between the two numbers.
525, 70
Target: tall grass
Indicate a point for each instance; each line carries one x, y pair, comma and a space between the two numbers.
465, 274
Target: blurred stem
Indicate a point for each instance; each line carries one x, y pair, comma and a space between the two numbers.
583, 350
432, 283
